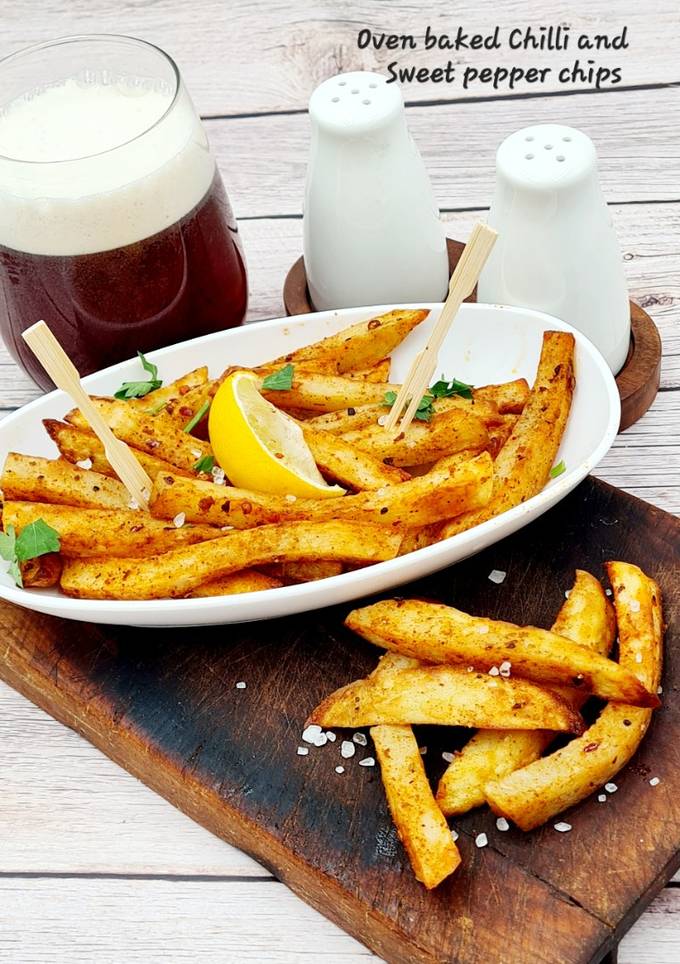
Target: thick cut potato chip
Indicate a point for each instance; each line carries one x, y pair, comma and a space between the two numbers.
441, 634
523, 464
180, 571
105, 532
423, 442
349, 465
34, 479
440, 494
359, 346
156, 434
420, 823
538, 792
449, 696
248, 580
79, 445
586, 617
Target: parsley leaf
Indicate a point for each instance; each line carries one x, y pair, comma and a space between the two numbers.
424, 412
280, 381
141, 388
193, 422
205, 464
35, 539
444, 389
558, 469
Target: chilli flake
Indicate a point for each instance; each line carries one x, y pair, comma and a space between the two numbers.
497, 576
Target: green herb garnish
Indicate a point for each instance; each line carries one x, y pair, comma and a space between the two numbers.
424, 412
155, 409
193, 422
35, 539
444, 389
280, 381
141, 388
205, 464
557, 470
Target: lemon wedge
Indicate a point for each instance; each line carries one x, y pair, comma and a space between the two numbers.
259, 447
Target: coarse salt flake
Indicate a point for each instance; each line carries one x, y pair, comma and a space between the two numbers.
482, 629
291, 498
368, 761
133, 504
321, 740
422, 750
454, 835
654, 782
659, 690
197, 454
347, 749
84, 464
494, 671
562, 827
505, 667
330, 736
567, 593
608, 592
602, 798
311, 733
240, 685
481, 840
218, 475
360, 739
611, 787
638, 657
302, 750
179, 520
634, 605
497, 576
382, 420
339, 769
447, 757
502, 824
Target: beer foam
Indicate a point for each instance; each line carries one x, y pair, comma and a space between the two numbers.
87, 167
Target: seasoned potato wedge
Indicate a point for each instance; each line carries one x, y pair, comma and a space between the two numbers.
524, 462
34, 479
359, 417
349, 465
446, 695
509, 397
79, 444
420, 823
441, 493
171, 393
586, 617
538, 792
318, 393
423, 442
291, 573
111, 532
156, 434
248, 580
359, 346
441, 634
180, 571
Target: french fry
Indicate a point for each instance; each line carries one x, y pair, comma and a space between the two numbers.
248, 580
440, 494
42, 572
448, 696
349, 465
291, 573
423, 442
523, 465
359, 346
420, 823
34, 479
180, 571
156, 434
112, 532
318, 393
441, 634
79, 444
509, 397
379, 372
359, 417
536, 793
586, 617
171, 393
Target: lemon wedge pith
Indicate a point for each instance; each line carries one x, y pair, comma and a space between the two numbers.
259, 447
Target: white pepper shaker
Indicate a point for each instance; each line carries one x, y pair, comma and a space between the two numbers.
372, 233
557, 251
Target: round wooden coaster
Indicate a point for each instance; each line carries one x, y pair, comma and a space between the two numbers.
638, 380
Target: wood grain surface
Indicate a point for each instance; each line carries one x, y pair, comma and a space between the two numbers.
65, 809
166, 707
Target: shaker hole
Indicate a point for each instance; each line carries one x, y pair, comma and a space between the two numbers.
342, 83
548, 147
356, 90
567, 139
529, 157
529, 138
560, 157
335, 99
373, 86
366, 102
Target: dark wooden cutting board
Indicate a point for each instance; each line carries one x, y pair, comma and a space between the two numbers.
164, 704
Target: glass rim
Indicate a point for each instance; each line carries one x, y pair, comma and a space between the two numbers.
96, 37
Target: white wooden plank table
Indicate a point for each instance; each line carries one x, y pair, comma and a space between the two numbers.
94, 867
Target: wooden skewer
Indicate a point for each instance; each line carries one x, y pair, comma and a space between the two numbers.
462, 282
61, 370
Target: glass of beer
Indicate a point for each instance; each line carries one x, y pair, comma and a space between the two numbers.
114, 223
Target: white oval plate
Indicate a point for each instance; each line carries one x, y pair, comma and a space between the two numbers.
487, 343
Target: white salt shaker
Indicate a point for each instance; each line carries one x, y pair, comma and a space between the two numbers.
557, 251
372, 233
